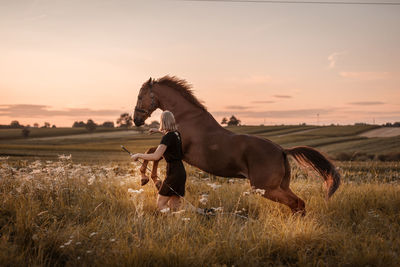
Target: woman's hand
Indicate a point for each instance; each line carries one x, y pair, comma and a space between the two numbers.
135, 157
153, 130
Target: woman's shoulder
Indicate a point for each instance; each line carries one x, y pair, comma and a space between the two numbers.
173, 133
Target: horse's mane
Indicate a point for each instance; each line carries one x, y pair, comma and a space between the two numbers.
183, 87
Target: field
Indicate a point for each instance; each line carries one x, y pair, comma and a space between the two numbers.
89, 209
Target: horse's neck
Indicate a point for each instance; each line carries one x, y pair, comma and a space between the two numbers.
187, 114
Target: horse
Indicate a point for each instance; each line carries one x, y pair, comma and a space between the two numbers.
216, 150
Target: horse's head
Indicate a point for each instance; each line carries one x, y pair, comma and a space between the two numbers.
146, 103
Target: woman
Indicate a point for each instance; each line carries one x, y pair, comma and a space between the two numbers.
173, 187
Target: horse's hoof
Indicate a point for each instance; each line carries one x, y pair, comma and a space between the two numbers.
301, 213
144, 181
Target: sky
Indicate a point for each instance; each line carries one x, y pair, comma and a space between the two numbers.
66, 61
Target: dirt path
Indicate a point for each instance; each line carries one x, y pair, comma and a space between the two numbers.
382, 132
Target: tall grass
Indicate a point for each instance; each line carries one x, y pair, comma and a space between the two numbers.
58, 213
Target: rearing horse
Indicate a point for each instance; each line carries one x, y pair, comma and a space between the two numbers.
218, 151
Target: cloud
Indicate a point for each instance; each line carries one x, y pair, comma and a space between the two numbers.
263, 102
367, 103
282, 96
366, 75
333, 58
294, 113
37, 111
235, 107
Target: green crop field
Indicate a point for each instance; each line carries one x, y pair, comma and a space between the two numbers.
339, 142
90, 210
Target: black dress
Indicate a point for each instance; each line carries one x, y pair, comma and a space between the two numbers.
174, 183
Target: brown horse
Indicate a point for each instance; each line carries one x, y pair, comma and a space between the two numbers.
218, 151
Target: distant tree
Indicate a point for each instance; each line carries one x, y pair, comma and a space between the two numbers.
79, 124
26, 132
396, 124
46, 125
125, 120
224, 120
108, 124
36, 125
233, 121
91, 125
154, 124
15, 125
54, 126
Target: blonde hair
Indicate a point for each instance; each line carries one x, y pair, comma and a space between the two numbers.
167, 122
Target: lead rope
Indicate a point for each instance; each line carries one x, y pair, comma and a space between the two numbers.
206, 212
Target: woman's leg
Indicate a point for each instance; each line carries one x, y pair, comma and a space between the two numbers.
162, 202
174, 202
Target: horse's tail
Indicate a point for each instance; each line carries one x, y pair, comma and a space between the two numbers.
309, 156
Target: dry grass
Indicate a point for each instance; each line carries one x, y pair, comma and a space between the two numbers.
61, 213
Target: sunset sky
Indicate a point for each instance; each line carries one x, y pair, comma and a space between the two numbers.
62, 61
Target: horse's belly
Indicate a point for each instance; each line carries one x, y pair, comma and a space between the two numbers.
218, 165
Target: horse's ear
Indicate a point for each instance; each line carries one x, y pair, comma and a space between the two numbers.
150, 82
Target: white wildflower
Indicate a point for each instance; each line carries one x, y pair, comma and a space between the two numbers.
78, 258
68, 243
246, 193
132, 191
36, 171
35, 237
165, 210
204, 198
219, 209
89, 251
112, 240
62, 246
91, 179
78, 243
214, 185
4, 158
260, 191
92, 234
231, 181
185, 219
64, 157
59, 169
178, 212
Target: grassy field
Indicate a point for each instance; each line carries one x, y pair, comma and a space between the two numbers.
60, 213
90, 210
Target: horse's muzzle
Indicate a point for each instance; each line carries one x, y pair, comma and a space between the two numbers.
138, 122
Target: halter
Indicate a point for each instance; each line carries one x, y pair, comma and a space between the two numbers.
152, 105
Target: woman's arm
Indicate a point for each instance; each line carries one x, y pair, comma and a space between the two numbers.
153, 156
154, 130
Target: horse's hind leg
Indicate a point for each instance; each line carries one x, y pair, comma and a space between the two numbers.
288, 198
143, 168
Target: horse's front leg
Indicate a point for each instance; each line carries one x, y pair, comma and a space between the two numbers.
154, 177
143, 168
